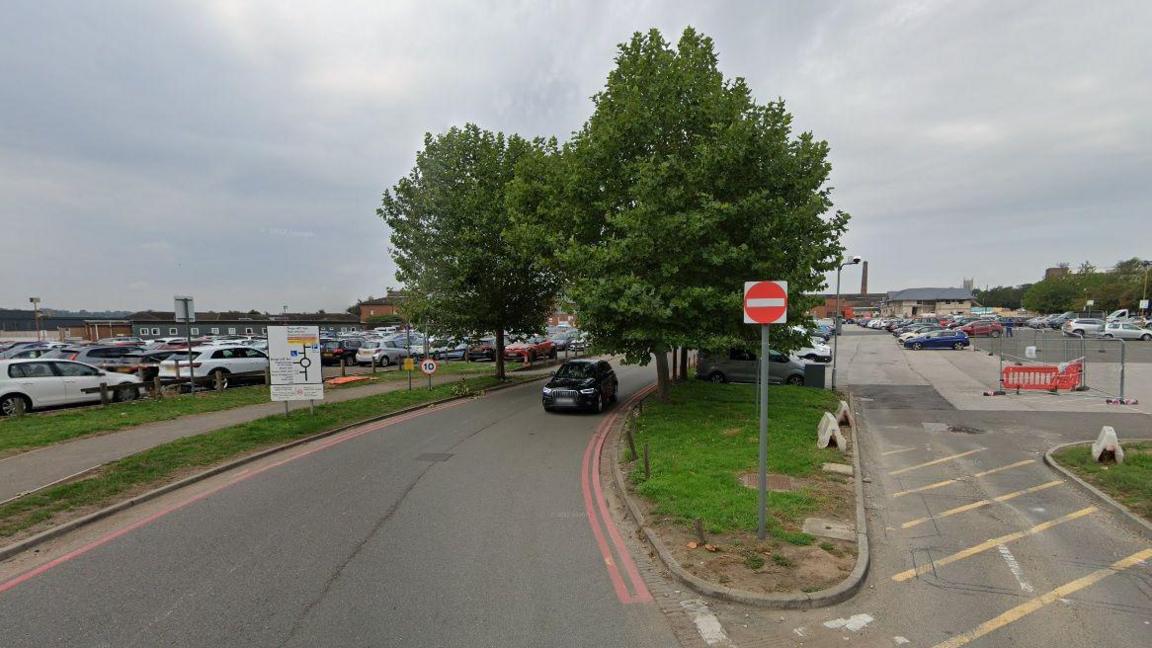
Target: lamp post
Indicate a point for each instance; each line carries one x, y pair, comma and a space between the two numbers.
836, 320
1147, 266
35, 301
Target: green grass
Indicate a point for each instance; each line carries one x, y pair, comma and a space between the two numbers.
46, 428
162, 463
1129, 483
707, 434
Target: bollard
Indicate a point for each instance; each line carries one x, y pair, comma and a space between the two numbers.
157, 388
104, 397
647, 464
343, 367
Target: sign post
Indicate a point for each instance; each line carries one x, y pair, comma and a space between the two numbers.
185, 311
428, 366
294, 364
765, 303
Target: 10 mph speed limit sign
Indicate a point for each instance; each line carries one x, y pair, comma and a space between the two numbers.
765, 302
428, 366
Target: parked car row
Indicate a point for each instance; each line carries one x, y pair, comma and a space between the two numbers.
34, 383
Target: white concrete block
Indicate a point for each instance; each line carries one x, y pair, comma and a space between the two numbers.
1107, 446
844, 415
837, 468
829, 435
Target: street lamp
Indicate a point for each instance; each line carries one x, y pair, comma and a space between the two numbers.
1147, 265
836, 321
35, 301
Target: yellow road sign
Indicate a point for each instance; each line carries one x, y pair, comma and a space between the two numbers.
409, 364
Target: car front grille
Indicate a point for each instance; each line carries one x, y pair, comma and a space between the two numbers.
564, 393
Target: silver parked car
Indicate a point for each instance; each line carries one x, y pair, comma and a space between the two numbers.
1127, 331
739, 365
1083, 326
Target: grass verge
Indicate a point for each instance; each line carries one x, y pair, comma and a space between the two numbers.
707, 435
156, 466
47, 428
1129, 483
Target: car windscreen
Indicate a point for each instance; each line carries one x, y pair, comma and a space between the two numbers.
183, 356
576, 370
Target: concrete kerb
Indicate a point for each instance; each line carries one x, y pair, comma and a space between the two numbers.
57, 531
1135, 522
839, 593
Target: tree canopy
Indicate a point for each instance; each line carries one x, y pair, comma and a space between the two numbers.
1120, 287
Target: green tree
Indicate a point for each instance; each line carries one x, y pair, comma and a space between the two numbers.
678, 189
452, 240
1002, 296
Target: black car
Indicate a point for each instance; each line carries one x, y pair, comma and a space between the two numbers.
581, 384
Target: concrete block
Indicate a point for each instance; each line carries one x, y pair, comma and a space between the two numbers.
835, 529
829, 435
839, 469
844, 415
1106, 448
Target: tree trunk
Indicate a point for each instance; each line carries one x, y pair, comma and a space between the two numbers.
662, 374
500, 355
683, 364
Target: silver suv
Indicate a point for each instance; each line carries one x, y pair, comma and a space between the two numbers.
1083, 326
739, 365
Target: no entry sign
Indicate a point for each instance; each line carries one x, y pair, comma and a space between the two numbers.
765, 302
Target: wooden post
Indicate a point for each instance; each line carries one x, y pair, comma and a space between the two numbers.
219, 381
343, 367
267, 375
629, 423
647, 464
157, 388
699, 531
104, 396
373, 363
20, 411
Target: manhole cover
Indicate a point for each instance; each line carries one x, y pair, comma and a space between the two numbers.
434, 456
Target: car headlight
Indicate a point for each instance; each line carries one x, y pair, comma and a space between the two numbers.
547, 391
588, 392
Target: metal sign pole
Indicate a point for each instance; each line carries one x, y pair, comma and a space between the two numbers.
764, 360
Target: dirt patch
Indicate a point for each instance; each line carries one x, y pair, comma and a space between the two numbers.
742, 562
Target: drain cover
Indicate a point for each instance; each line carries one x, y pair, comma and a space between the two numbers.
434, 456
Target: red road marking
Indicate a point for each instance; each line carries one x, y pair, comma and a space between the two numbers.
242, 476
589, 482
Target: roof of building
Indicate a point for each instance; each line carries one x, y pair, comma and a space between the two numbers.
239, 316
930, 294
394, 297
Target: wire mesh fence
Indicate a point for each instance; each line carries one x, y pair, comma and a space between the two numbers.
1077, 363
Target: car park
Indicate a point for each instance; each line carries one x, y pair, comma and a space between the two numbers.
581, 384
1127, 331
738, 365
945, 339
44, 383
218, 365
144, 364
1083, 326
917, 331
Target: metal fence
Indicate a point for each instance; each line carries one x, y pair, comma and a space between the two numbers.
1102, 361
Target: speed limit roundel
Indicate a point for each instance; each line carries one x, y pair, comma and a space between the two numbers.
428, 366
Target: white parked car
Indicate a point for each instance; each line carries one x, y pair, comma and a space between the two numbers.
816, 351
1127, 331
386, 352
44, 383
216, 363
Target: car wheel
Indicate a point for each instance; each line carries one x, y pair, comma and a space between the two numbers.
810, 356
995, 333
547, 409
1078, 332
958, 346
615, 392
598, 406
385, 361
1109, 336
796, 380
126, 393
9, 404
219, 377
917, 346
1146, 337
716, 377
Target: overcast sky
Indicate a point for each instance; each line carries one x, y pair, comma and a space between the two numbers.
237, 151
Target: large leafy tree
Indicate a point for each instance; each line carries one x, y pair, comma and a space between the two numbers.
679, 188
451, 238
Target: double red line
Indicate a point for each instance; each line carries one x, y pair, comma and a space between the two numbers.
601, 521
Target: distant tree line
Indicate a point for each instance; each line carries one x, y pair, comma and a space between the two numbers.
1120, 287
648, 220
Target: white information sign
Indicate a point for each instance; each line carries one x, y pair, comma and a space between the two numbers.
294, 362
1143, 304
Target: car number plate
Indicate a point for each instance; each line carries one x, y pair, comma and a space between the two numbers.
565, 400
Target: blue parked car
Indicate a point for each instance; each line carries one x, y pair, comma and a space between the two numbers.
946, 339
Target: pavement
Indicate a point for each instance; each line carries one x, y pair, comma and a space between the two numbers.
463, 526
975, 541
39, 467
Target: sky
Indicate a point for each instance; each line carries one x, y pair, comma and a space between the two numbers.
237, 151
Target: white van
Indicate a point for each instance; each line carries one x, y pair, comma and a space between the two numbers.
1121, 314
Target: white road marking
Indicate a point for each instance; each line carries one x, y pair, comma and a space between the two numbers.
853, 623
900, 640
706, 623
766, 302
1014, 567
800, 632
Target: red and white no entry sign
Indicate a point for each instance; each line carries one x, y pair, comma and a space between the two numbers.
765, 302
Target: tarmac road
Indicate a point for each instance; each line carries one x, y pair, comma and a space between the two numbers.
465, 526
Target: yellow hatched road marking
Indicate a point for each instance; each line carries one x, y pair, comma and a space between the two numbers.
981, 503
941, 484
1024, 609
892, 452
990, 544
936, 461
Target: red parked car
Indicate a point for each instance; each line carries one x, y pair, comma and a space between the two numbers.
983, 327
531, 349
